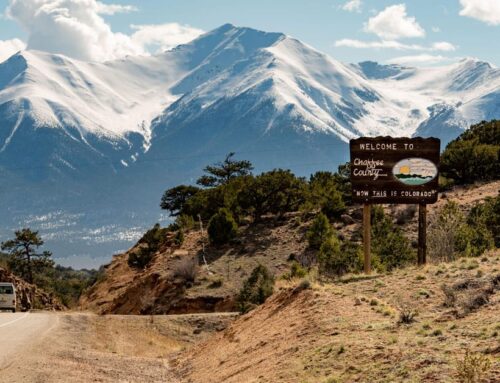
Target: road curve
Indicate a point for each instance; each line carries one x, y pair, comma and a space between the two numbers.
20, 331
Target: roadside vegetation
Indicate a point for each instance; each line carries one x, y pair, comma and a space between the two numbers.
24, 258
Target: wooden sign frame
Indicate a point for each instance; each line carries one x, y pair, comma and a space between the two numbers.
387, 170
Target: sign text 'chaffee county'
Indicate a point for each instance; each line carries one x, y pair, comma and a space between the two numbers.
395, 170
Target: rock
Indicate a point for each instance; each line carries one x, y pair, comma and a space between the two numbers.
357, 214
347, 219
29, 296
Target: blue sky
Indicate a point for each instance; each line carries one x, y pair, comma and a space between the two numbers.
422, 31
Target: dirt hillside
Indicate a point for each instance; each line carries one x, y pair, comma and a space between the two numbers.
349, 331
273, 243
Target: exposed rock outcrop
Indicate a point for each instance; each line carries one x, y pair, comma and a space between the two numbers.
29, 296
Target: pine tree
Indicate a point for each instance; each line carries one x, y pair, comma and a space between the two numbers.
25, 260
222, 172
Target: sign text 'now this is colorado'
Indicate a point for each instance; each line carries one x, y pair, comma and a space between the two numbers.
395, 170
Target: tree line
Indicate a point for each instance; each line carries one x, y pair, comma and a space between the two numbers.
24, 257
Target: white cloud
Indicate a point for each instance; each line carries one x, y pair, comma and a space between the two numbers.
71, 27
163, 36
352, 6
111, 9
393, 23
388, 44
9, 47
436, 29
423, 59
77, 29
487, 11
443, 46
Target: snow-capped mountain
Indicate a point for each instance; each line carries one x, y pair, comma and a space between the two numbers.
86, 145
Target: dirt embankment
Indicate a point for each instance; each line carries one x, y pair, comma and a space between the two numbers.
29, 296
349, 331
273, 243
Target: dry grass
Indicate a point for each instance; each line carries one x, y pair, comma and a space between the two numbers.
349, 331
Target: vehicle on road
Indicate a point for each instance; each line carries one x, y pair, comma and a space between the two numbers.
7, 297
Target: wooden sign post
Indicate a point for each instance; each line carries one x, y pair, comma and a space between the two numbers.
422, 234
387, 170
367, 242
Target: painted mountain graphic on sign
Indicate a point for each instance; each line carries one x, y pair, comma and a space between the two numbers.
414, 171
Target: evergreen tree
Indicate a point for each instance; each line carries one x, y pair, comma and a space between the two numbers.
319, 232
474, 155
175, 199
25, 260
256, 289
323, 195
222, 172
388, 241
332, 260
222, 227
277, 192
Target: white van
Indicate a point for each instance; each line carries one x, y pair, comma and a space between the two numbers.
7, 297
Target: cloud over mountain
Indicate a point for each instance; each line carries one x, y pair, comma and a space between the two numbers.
9, 47
77, 29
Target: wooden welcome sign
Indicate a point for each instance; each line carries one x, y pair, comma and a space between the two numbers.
395, 170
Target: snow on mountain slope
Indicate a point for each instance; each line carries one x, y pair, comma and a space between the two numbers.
102, 99
256, 84
460, 94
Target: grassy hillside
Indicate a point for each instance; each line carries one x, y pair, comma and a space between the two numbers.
352, 330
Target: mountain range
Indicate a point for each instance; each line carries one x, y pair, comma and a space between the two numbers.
86, 149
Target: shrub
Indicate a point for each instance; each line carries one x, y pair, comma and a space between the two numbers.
150, 243
389, 242
487, 215
222, 227
216, 283
473, 368
319, 231
443, 230
331, 260
185, 222
154, 238
187, 269
406, 215
451, 236
296, 271
407, 315
473, 241
256, 289
140, 258
179, 237
450, 297
305, 284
